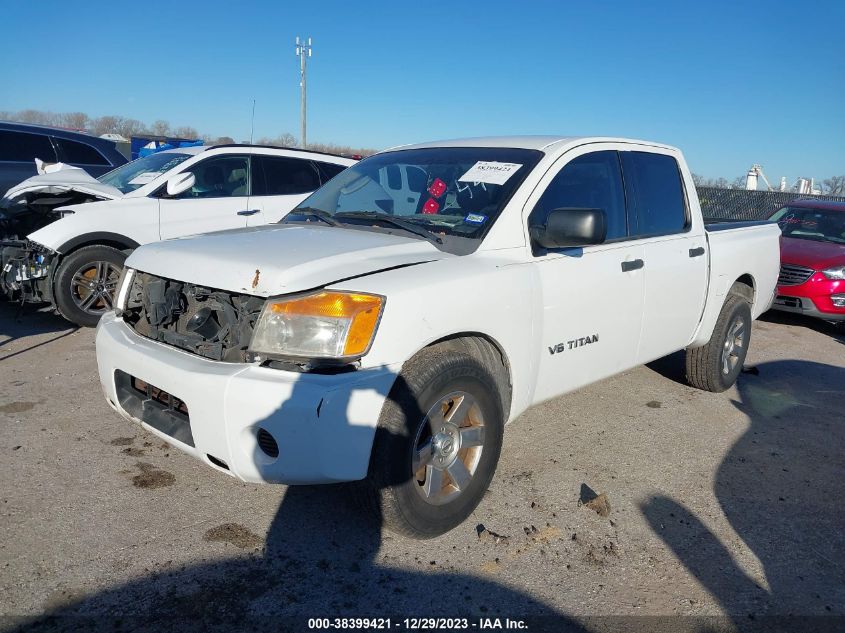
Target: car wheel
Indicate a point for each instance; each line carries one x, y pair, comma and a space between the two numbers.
437, 444
716, 365
85, 283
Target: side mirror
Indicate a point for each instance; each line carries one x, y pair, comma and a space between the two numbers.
180, 183
571, 227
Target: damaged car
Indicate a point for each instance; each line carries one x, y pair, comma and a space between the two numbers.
65, 235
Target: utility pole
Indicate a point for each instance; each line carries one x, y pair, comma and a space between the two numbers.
303, 50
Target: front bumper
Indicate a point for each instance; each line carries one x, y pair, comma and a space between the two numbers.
323, 424
813, 298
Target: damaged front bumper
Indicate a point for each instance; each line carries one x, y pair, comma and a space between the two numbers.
256, 423
26, 271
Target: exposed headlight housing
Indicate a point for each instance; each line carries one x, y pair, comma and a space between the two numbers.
837, 272
324, 325
124, 284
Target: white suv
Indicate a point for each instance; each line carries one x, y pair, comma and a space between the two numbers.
74, 261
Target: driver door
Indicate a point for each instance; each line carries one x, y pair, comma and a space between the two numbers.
592, 296
217, 201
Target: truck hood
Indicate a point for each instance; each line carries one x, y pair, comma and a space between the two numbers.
63, 181
280, 258
815, 255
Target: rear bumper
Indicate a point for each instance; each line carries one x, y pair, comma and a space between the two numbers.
323, 425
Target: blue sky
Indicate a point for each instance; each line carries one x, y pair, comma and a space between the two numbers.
731, 83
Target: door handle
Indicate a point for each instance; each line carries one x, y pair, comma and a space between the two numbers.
249, 211
696, 252
632, 265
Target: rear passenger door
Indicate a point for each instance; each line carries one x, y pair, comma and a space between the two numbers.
675, 251
279, 183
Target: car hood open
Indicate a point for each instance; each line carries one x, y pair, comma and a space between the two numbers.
280, 258
61, 182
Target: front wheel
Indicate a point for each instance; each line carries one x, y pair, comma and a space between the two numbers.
716, 366
85, 283
437, 444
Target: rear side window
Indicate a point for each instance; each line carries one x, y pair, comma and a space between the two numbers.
591, 181
279, 176
79, 153
22, 146
655, 194
328, 170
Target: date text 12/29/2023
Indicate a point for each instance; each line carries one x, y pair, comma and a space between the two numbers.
416, 624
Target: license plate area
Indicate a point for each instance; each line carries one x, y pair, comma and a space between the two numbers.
154, 406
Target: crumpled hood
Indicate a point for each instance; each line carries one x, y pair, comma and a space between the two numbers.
815, 255
73, 179
279, 258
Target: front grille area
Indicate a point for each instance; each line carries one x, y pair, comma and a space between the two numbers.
212, 323
161, 410
792, 275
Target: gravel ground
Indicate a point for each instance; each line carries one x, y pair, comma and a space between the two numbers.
719, 504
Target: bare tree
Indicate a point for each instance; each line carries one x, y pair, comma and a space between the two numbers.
73, 120
834, 186
285, 139
105, 125
128, 128
160, 128
114, 124
186, 131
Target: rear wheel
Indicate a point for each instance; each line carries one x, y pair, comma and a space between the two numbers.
437, 444
716, 366
85, 283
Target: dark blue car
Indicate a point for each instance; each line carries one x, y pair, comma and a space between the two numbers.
21, 144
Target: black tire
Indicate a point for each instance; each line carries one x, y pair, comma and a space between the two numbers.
716, 365
392, 488
84, 302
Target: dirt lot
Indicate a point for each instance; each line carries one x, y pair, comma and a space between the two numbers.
719, 504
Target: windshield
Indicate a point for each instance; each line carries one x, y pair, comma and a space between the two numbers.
454, 194
141, 171
819, 225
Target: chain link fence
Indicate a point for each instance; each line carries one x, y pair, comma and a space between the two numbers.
741, 204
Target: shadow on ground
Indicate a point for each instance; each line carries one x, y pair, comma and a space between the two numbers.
19, 321
320, 558
780, 487
836, 332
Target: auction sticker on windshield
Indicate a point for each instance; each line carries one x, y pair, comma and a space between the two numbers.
490, 172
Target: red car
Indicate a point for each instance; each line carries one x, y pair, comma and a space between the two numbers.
812, 255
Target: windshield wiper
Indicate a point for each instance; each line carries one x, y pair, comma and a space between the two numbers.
410, 227
314, 213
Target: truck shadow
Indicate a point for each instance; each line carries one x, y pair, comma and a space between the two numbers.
779, 487
799, 320
17, 322
320, 558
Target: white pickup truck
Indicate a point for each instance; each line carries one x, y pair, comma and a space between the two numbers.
387, 331
65, 235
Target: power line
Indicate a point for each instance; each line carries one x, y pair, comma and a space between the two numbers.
303, 50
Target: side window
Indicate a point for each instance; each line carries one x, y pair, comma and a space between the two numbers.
21, 146
328, 171
394, 177
79, 153
284, 176
591, 181
655, 193
219, 177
